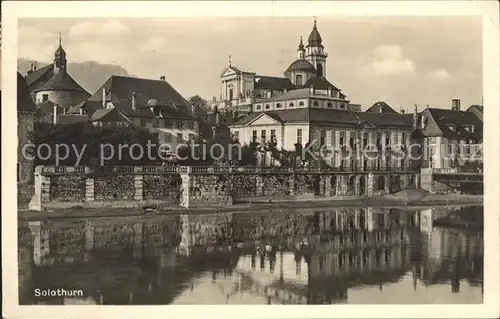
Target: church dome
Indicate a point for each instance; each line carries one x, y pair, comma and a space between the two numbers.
301, 65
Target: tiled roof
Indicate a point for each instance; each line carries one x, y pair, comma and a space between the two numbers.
71, 119
301, 65
272, 83
62, 82
47, 108
88, 105
381, 107
443, 118
24, 102
32, 77
108, 115
158, 92
320, 83
341, 117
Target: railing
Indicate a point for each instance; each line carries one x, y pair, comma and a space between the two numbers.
170, 169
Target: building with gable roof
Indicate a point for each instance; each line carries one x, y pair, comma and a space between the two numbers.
54, 84
151, 104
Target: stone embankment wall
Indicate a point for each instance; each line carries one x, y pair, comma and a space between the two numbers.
441, 181
202, 187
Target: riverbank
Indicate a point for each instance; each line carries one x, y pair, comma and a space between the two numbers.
407, 199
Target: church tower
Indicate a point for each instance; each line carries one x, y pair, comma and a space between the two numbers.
60, 59
315, 53
301, 51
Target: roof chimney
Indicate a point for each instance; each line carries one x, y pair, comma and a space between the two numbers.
133, 101
455, 104
55, 113
162, 78
103, 98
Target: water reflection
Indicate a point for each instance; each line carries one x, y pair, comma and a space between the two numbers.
312, 256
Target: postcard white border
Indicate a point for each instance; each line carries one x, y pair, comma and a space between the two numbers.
489, 10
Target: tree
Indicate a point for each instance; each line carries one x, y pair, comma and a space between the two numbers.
201, 107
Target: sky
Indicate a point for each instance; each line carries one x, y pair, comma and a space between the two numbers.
403, 60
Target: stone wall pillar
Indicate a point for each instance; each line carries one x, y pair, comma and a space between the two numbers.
259, 187
41, 193
370, 184
89, 189
291, 184
327, 185
138, 187
185, 186
41, 243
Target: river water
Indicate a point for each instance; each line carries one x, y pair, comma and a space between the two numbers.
294, 256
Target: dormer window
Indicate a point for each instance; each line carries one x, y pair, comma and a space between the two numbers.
423, 122
301, 103
472, 128
451, 127
267, 106
291, 104
258, 107
278, 105
316, 103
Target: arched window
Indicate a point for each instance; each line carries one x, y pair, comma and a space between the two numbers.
258, 107
267, 106
320, 70
329, 105
291, 104
301, 103
278, 105
316, 103
298, 79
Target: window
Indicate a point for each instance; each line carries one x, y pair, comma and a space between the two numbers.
316, 103
179, 124
451, 127
45, 97
168, 123
179, 137
236, 135
342, 133
258, 107
342, 106
472, 128
329, 105
267, 106
301, 103
190, 125
273, 136
168, 138
230, 94
144, 123
156, 122
299, 136
381, 183
291, 104
298, 79
263, 136
278, 106
387, 140
322, 138
254, 136
379, 141
365, 139
351, 143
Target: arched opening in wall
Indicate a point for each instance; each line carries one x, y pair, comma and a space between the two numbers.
381, 183
298, 79
320, 70
333, 186
351, 185
362, 186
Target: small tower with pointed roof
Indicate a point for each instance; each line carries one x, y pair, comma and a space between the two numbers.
301, 51
60, 58
315, 52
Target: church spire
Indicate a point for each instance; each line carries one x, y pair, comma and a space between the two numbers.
60, 57
301, 50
